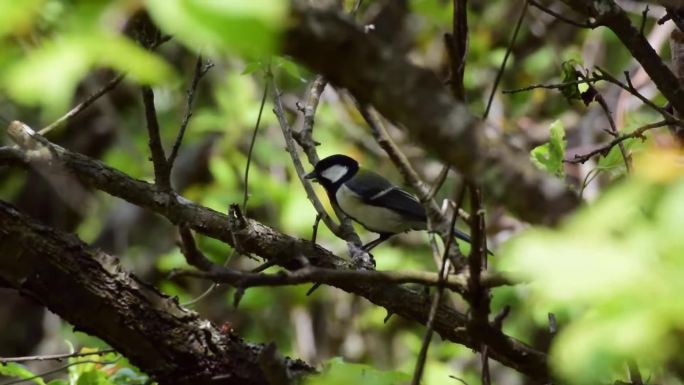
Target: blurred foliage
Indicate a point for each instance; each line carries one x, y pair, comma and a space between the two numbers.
95, 369
337, 372
615, 270
609, 274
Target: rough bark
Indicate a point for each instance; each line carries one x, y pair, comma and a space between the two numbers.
89, 289
252, 237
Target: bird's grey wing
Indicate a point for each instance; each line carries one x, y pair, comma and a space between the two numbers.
377, 191
401, 201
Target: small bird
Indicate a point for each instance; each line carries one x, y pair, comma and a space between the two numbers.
370, 199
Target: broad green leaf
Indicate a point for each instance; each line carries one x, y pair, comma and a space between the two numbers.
246, 27
338, 372
549, 156
13, 369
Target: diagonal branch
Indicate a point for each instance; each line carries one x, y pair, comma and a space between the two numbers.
609, 14
170, 343
259, 239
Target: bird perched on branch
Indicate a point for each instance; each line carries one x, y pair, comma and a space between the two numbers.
370, 199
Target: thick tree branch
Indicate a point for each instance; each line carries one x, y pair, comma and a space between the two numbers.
253, 237
332, 44
168, 342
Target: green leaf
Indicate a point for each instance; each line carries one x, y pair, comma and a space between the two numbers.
13, 369
338, 372
291, 68
253, 66
50, 74
615, 270
549, 156
93, 377
246, 27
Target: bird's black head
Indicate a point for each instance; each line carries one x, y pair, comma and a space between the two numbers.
334, 170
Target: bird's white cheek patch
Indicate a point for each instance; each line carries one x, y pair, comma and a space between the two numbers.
334, 173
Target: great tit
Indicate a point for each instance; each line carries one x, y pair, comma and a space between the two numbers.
370, 199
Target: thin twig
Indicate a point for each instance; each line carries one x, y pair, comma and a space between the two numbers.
477, 294
588, 24
84, 104
314, 233
457, 48
644, 15
605, 76
422, 355
253, 140
200, 71
437, 184
604, 149
509, 49
554, 86
305, 140
613, 130
161, 166
630, 88
299, 169
312, 274
192, 254
54, 357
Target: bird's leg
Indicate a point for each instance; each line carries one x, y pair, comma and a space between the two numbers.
382, 238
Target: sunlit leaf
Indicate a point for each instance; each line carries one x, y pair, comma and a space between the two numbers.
12, 369
549, 156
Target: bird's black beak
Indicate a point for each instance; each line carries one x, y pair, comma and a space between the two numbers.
311, 175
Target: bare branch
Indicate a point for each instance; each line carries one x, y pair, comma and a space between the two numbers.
54, 357
312, 274
200, 71
256, 238
83, 105
161, 167
604, 149
267, 81
509, 49
299, 168
192, 254
587, 24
